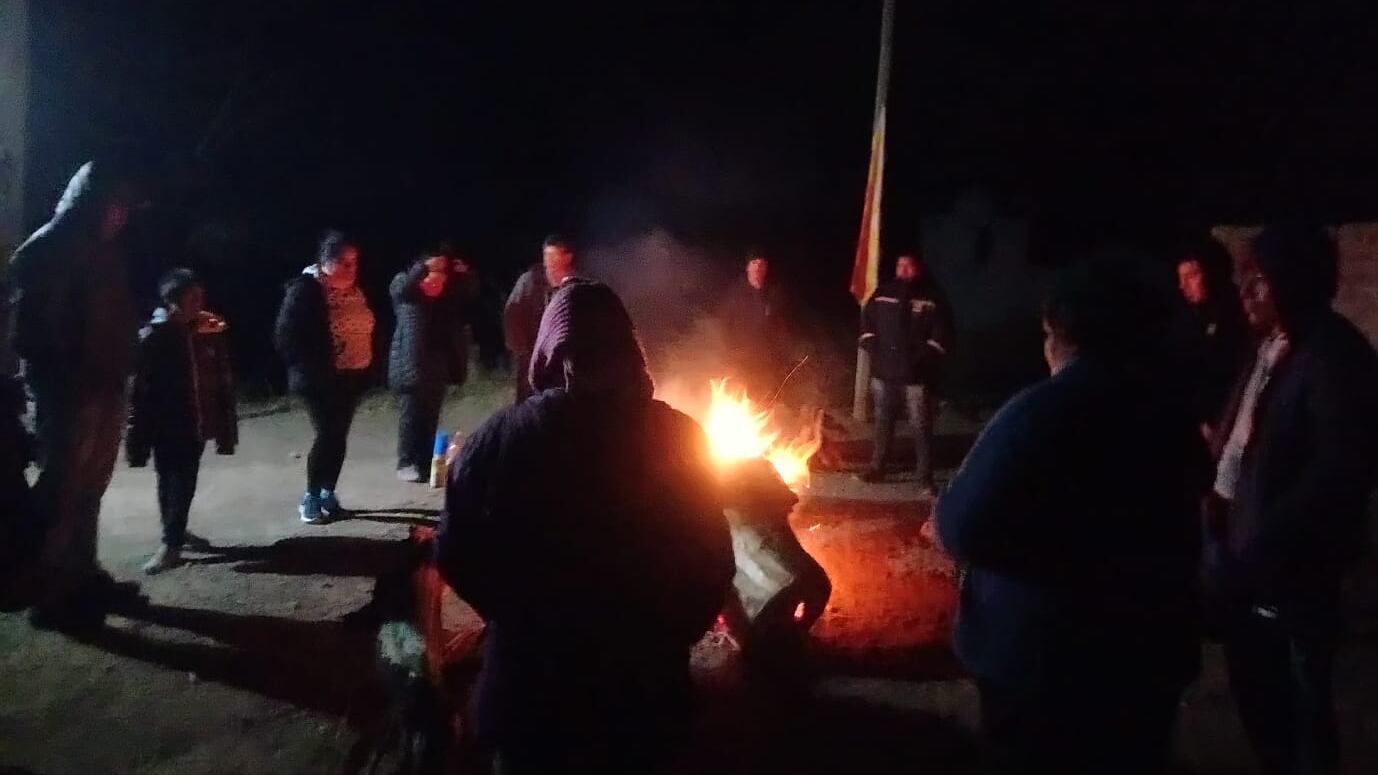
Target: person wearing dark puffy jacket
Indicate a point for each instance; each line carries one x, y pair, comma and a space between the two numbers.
907, 328
183, 397
430, 350
325, 336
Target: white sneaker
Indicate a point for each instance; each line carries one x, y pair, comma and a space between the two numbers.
165, 558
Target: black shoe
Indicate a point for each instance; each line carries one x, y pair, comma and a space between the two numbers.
871, 475
195, 542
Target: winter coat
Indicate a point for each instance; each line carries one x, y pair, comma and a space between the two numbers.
1224, 342
907, 328
521, 317
596, 581
183, 391
1297, 522
302, 336
430, 345
75, 326
1076, 514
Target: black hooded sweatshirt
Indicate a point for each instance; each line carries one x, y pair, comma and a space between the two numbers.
76, 326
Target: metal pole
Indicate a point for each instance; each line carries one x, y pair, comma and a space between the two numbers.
861, 387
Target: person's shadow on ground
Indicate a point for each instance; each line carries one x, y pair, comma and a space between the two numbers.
309, 556
325, 666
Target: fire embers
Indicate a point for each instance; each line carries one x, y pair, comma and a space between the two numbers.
779, 590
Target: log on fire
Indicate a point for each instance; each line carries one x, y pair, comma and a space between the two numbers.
780, 591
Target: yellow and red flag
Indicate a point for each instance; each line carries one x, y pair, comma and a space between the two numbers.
866, 268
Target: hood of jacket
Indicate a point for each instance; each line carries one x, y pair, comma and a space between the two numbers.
94, 185
587, 344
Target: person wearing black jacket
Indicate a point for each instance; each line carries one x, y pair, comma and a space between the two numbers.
430, 351
324, 334
1297, 457
76, 331
183, 397
757, 329
1076, 517
597, 579
907, 327
1203, 275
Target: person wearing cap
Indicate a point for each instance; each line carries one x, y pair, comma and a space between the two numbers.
76, 332
1297, 452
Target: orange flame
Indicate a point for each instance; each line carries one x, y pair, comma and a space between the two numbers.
737, 430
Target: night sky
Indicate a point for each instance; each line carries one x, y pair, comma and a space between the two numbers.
725, 123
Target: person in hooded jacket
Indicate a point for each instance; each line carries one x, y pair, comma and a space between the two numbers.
183, 397
324, 334
430, 350
75, 331
596, 583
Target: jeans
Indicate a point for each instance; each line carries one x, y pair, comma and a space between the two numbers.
177, 466
918, 402
332, 412
1081, 726
417, 424
79, 442
1280, 672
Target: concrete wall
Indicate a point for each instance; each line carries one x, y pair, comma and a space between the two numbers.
14, 98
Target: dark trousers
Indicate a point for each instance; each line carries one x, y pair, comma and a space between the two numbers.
332, 412
416, 426
1089, 727
521, 368
1280, 672
177, 466
79, 442
917, 400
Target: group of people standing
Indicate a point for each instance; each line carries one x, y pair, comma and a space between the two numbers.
167, 390
325, 335
1186, 468
1169, 479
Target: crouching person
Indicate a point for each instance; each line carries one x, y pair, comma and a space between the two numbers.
183, 397
595, 582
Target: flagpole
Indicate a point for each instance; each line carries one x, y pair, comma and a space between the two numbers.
870, 227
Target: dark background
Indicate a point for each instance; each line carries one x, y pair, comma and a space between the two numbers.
724, 124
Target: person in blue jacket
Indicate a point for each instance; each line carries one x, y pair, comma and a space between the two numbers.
1076, 515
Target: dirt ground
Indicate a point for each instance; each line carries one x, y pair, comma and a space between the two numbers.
253, 658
